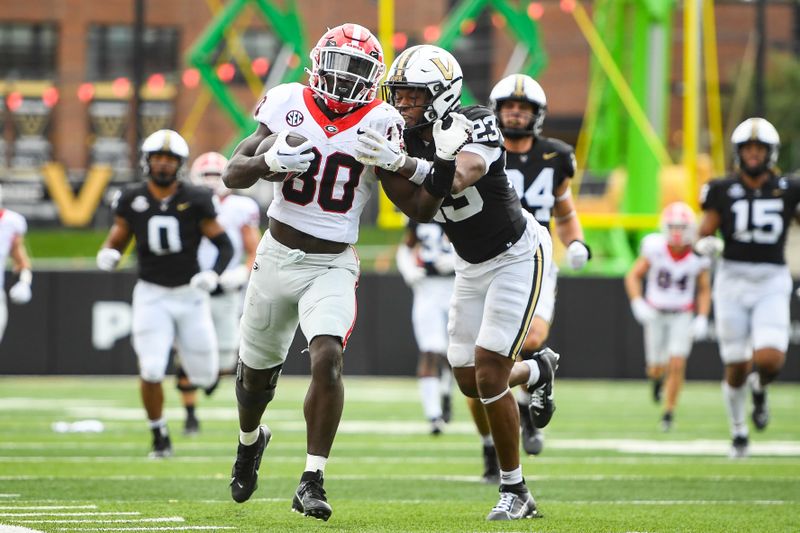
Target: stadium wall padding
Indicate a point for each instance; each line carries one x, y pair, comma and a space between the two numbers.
78, 323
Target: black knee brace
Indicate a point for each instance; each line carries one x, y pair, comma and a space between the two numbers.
256, 399
183, 387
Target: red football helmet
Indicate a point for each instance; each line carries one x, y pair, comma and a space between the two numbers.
678, 224
207, 170
346, 65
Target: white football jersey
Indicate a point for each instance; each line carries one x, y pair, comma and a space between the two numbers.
233, 213
327, 200
671, 281
11, 225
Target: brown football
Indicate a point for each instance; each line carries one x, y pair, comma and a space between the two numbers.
293, 139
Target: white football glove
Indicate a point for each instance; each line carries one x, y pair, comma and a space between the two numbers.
372, 148
284, 158
445, 264
407, 265
20, 293
577, 255
700, 327
709, 246
643, 312
234, 278
107, 259
206, 280
449, 141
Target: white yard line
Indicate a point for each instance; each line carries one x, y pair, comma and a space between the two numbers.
45, 507
110, 513
126, 520
5, 528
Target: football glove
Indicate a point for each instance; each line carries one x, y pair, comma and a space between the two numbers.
700, 327
709, 246
284, 158
20, 293
374, 149
643, 312
206, 280
234, 278
407, 265
451, 138
107, 259
577, 254
445, 264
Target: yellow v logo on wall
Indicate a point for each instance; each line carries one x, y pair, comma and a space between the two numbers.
76, 210
447, 71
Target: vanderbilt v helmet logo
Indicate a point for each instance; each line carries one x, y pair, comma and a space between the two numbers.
447, 71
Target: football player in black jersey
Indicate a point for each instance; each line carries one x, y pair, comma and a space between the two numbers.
752, 209
502, 253
541, 169
171, 299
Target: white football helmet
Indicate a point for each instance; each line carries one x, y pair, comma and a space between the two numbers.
678, 224
522, 88
430, 68
164, 142
207, 170
761, 131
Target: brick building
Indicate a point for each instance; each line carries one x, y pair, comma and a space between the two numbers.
63, 57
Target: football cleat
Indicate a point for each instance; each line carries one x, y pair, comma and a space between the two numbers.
760, 413
244, 475
739, 447
162, 446
532, 437
447, 408
515, 503
191, 426
437, 426
542, 404
309, 498
666, 422
491, 467
657, 386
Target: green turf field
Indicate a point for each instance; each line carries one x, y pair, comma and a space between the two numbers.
606, 466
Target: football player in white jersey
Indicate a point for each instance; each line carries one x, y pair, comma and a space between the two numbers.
239, 216
752, 209
676, 279
168, 217
502, 253
306, 269
425, 259
541, 170
12, 244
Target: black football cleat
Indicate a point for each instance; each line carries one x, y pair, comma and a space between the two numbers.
437, 426
760, 413
515, 503
162, 446
491, 466
666, 422
542, 404
191, 426
309, 498
532, 437
739, 447
244, 475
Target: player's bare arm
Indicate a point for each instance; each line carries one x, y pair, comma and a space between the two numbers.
245, 168
709, 224
634, 278
704, 293
413, 200
250, 238
119, 235
470, 167
19, 254
568, 226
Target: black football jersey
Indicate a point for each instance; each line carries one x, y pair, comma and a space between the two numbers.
485, 219
538, 173
753, 222
167, 232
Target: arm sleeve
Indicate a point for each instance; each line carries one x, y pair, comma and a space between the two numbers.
225, 252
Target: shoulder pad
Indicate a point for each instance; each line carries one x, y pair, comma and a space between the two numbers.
474, 112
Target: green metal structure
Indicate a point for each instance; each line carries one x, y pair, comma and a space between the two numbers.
287, 27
